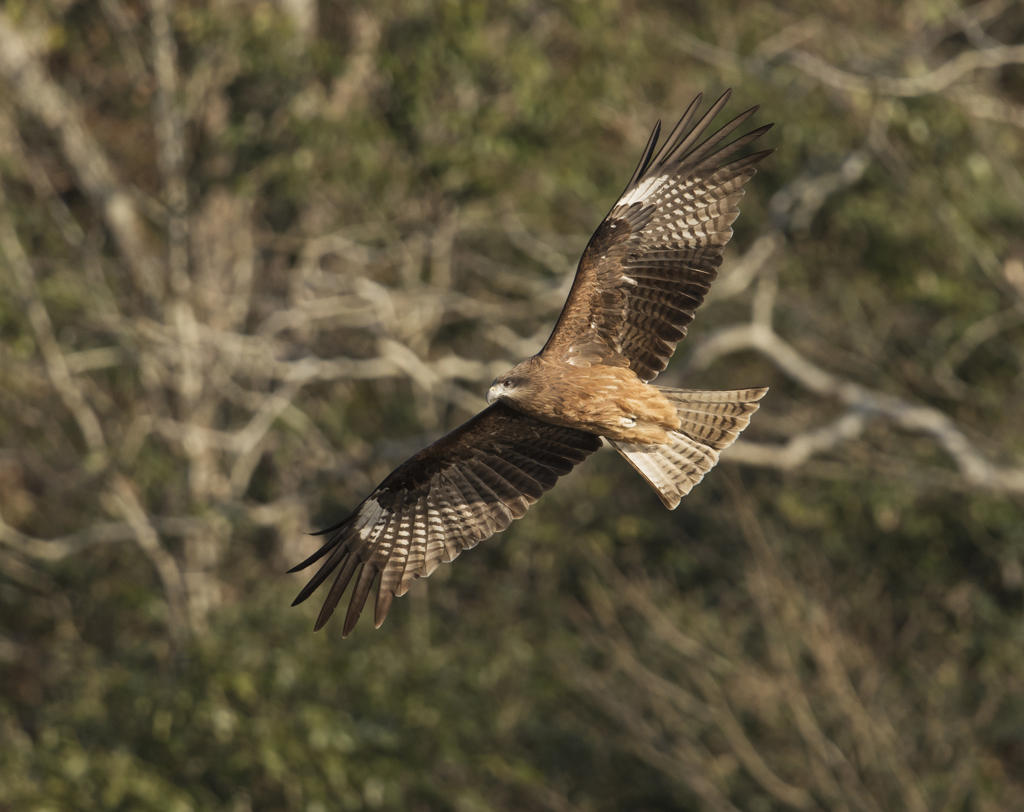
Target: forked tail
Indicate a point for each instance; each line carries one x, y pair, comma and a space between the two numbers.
709, 423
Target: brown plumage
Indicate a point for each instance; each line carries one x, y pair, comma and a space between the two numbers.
639, 281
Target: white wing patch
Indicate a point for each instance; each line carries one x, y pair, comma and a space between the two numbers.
368, 517
643, 191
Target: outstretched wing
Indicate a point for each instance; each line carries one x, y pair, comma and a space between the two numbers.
452, 495
649, 265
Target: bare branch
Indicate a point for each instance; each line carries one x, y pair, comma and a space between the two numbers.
970, 339
742, 271
119, 19
796, 797
987, 107
797, 203
100, 533
248, 440
37, 94
800, 448
720, 58
877, 739
760, 338
935, 81
53, 357
124, 498
169, 131
537, 250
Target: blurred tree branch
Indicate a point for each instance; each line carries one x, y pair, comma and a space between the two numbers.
38, 95
935, 81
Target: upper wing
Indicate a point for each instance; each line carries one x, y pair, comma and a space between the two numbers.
652, 260
464, 488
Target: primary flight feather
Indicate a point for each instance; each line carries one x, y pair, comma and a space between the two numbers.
639, 281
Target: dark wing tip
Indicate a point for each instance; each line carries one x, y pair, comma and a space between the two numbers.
367, 573
349, 560
312, 559
757, 157
327, 530
648, 154
323, 617
314, 583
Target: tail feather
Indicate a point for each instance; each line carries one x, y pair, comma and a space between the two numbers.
709, 423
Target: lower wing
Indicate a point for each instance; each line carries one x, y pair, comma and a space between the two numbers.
452, 495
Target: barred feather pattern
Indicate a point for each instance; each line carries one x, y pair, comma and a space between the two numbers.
653, 259
464, 488
641, 278
709, 423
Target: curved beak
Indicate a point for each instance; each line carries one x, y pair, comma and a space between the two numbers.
492, 394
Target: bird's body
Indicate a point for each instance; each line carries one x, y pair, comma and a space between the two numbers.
644, 273
606, 400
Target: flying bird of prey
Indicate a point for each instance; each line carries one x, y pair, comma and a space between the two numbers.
639, 281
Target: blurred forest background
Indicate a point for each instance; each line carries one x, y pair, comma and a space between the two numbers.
253, 254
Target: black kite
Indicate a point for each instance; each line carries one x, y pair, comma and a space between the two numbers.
642, 276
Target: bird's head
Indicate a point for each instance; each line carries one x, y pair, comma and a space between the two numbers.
505, 387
